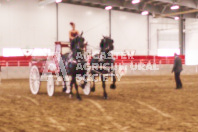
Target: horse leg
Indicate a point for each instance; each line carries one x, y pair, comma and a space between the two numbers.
113, 86
93, 88
104, 87
64, 86
71, 84
85, 82
76, 86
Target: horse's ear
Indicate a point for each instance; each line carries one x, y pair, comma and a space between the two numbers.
81, 34
101, 44
104, 40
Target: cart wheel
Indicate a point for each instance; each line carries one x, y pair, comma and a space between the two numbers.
50, 85
87, 88
34, 80
68, 80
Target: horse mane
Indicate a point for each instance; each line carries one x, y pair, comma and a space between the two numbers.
102, 41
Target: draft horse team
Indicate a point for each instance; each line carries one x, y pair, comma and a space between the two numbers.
71, 62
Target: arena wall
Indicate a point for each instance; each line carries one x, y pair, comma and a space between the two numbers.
166, 25
25, 24
93, 22
191, 41
129, 31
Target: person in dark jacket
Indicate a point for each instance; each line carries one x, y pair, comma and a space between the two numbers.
177, 68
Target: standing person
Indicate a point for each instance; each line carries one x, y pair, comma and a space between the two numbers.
177, 68
72, 33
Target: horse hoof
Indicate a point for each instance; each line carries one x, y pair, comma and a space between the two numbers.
64, 89
70, 96
105, 97
113, 86
79, 98
92, 89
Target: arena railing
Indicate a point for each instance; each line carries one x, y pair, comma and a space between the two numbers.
27, 61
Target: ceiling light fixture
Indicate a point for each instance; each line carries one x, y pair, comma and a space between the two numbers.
145, 13
176, 18
135, 1
58, 1
174, 7
108, 7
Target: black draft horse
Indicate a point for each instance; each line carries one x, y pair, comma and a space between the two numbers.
71, 61
104, 59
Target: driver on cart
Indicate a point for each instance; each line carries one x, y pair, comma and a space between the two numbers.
73, 33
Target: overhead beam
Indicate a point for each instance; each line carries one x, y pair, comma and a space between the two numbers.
178, 13
113, 3
151, 8
186, 3
196, 2
163, 10
125, 5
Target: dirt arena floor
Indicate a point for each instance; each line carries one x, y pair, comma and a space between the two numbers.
139, 104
